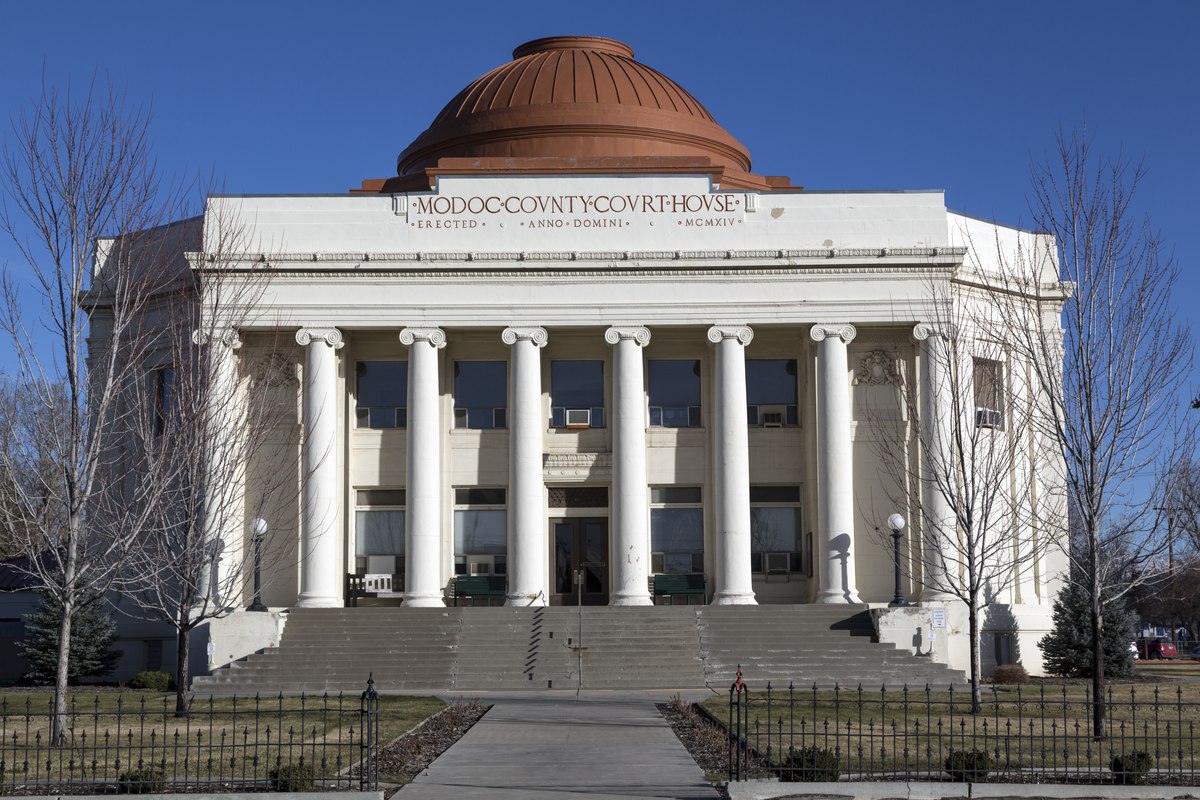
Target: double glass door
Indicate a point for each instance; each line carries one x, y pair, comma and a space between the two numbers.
580, 567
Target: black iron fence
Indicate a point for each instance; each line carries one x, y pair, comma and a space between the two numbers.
1020, 734
111, 743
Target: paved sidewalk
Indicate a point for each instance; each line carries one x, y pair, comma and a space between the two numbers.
543, 746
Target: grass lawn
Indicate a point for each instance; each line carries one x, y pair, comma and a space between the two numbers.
1034, 727
222, 741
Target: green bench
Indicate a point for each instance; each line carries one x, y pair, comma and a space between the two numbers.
687, 585
472, 586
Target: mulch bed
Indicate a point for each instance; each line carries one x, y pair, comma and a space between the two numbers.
406, 757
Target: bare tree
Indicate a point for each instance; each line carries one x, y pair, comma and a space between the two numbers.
969, 451
199, 425
1110, 382
86, 208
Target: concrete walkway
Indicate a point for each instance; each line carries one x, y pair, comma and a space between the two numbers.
552, 745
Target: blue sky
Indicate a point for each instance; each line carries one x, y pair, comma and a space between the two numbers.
307, 97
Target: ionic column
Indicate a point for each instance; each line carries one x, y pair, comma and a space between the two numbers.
939, 526
320, 586
222, 497
731, 458
527, 537
423, 509
835, 473
631, 539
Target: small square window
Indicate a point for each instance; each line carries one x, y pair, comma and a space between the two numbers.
381, 389
480, 395
577, 394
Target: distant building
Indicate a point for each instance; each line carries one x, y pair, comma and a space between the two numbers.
576, 342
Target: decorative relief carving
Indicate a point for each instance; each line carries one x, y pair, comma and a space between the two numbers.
639, 335
227, 337
435, 336
576, 465
742, 333
538, 336
843, 330
330, 336
877, 368
275, 370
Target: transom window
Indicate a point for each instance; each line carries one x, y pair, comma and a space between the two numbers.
577, 394
379, 531
381, 394
480, 394
775, 539
771, 392
676, 530
480, 531
674, 393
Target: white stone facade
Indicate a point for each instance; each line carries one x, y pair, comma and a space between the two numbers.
841, 292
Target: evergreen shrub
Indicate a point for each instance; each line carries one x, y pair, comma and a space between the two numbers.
968, 765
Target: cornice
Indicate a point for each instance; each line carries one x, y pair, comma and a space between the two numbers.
945, 255
625, 274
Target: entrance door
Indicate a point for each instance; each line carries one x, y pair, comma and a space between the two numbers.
580, 543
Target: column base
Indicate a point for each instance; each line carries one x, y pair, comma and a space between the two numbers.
838, 599
423, 601
318, 601
734, 599
631, 599
934, 597
525, 600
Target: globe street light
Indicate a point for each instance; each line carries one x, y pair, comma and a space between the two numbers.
258, 530
896, 523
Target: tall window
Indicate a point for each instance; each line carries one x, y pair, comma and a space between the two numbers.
381, 393
989, 393
379, 531
480, 532
480, 394
164, 396
674, 393
577, 394
676, 530
775, 539
771, 392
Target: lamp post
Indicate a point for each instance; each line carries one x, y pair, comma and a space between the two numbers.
896, 523
258, 530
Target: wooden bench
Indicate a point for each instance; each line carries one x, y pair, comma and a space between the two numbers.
472, 586
688, 585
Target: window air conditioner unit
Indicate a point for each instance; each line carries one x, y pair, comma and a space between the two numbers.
778, 563
772, 416
479, 565
579, 417
460, 418
988, 418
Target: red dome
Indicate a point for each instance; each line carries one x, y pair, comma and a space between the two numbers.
573, 97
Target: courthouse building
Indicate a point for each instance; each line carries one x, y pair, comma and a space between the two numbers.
577, 342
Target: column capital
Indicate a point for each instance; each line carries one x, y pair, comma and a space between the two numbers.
925, 330
742, 333
331, 337
843, 330
538, 336
640, 335
435, 336
228, 337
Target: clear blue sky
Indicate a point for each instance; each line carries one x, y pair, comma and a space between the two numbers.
306, 97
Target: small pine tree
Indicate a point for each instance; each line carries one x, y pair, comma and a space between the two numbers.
93, 634
1067, 649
